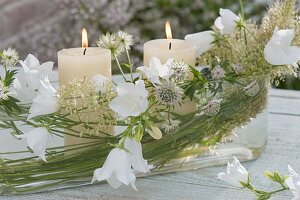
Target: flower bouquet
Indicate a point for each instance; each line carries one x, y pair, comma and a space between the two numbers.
162, 117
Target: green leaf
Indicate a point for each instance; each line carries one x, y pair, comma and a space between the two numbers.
275, 177
139, 131
264, 196
9, 77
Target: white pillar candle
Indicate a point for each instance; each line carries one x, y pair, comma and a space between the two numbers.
179, 50
72, 64
80, 63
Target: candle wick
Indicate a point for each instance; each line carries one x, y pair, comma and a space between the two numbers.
84, 51
170, 45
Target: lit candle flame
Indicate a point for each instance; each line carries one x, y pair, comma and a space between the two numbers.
168, 31
85, 42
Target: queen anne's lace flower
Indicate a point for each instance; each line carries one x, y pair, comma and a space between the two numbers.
252, 89
9, 57
168, 93
180, 71
125, 39
170, 125
217, 73
212, 107
4, 91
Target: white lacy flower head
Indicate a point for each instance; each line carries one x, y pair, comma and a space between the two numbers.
131, 100
227, 22
112, 42
28, 79
235, 174
252, 89
293, 182
238, 68
168, 93
37, 140
4, 91
202, 41
180, 71
136, 155
9, 57
125, 39
45, 102
279, 51
217, 73
170, 125
212, 107
157, 70
100, 83
116, 170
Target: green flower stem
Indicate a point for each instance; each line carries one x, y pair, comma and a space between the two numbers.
120, 68
129, 63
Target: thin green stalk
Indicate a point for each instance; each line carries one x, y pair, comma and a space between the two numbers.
129, 63
120, 68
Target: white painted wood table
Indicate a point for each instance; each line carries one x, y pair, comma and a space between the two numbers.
283, 148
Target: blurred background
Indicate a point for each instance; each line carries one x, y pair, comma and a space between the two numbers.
42, 27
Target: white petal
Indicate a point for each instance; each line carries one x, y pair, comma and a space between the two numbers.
283, 38
140, 88
235, 173
113, 181
37, 140
45, 102
226, 23
31, 61
109, 166
128, 106
278, 50
202, 41
218, 23
151, 75
124, 89
228, 178
123, 168
154, 63
100, 83
131, 99
97, 174
45, 69
136, 155
289, 182
23, 93
293, 53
